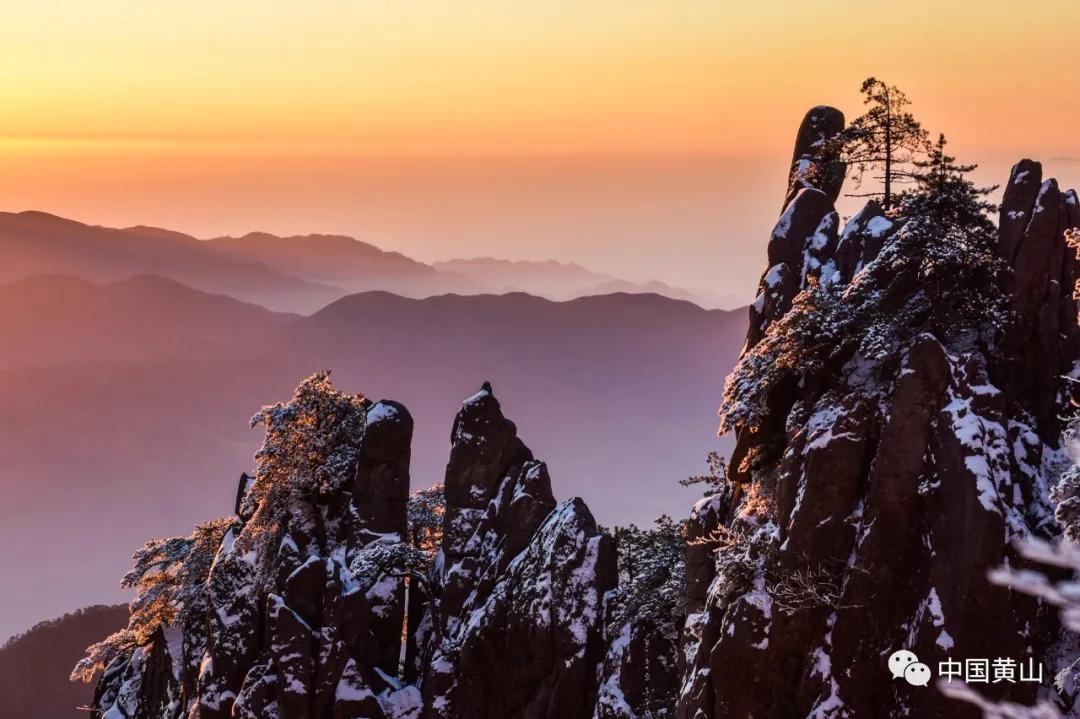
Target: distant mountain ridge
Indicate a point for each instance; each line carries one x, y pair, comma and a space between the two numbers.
361, 258
298, 273
37, 243
567, 280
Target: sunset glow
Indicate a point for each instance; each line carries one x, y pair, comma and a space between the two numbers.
263, 115
489, 76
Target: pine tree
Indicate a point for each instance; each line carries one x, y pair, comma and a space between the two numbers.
716, 478
944, 195
425, 510
886, 136
169, 576
651, 570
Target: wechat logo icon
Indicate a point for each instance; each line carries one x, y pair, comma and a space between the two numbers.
905, 665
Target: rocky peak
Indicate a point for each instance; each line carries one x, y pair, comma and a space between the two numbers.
877, 478
1045, 342
805, 236
521, 581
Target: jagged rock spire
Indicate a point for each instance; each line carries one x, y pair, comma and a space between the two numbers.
806, 234
521, 583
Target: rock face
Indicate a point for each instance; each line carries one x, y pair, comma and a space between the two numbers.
872, 496
516, 630
302, 610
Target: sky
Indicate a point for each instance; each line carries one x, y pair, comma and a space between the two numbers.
647, 139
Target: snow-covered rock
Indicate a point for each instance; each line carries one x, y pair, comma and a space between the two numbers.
295, 607
878, 478
299, 604
517, 628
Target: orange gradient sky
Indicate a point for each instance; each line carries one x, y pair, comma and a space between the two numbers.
643, 138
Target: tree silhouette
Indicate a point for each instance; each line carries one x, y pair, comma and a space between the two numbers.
885, 137
944, 195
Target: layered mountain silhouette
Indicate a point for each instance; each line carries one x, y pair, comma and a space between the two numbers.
125, 405
299, 273
37, 243
345, 262
566, 280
